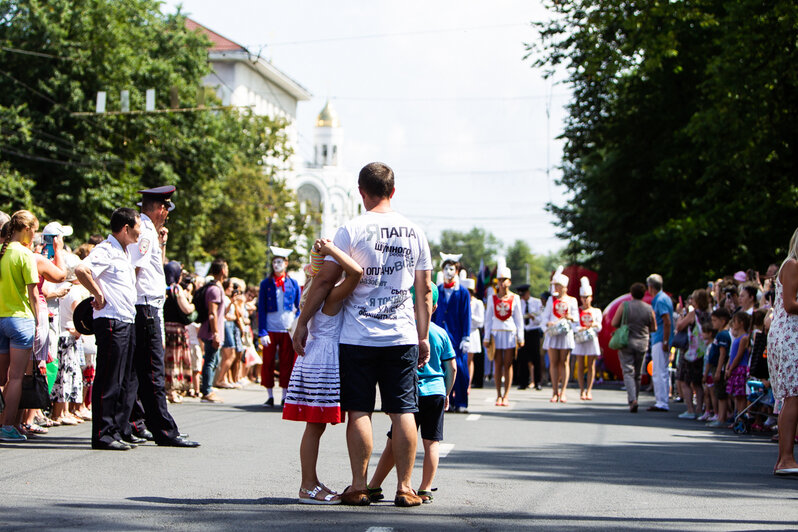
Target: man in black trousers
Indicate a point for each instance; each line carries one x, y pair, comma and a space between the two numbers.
147, 378
109, 276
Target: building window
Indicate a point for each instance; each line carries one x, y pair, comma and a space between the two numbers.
335, 154
324, 154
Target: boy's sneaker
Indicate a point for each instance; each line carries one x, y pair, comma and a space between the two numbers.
716, 423
687, 415
11, 434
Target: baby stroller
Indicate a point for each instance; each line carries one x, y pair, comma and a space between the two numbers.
759, 397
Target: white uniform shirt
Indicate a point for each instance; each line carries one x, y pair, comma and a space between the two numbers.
112, 270
535, 307
147, 255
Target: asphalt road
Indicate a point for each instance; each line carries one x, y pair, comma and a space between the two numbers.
533, 464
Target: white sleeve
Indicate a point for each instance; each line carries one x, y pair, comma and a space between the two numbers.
545, 318
425, 258
488, 320
140, 251
518, 318
477, 314
98, 261
597, 316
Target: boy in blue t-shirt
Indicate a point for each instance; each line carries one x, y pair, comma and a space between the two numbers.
715, 362
435, 381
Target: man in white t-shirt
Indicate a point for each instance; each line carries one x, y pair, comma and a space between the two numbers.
384, 337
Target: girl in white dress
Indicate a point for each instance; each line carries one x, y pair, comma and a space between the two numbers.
559, 315
504, 323
313, 392
586, 344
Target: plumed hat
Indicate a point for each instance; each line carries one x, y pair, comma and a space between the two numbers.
559, 277
584, 287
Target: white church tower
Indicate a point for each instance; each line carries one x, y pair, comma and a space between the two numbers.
323, 185
328, 138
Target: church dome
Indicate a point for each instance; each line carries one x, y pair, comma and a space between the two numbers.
328, 117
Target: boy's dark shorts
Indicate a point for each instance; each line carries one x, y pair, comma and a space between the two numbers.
393, 368
429, 417
719, 386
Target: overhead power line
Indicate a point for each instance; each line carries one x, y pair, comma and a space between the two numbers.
36, 54
385, 35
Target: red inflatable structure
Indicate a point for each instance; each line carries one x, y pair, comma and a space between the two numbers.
611, 361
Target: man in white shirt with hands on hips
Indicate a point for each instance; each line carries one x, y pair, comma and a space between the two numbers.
108, 274
384, 337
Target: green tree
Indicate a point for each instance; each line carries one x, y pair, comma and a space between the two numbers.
475, 245
532, 269
680, 145
57, 54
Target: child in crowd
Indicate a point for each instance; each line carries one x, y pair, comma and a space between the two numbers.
737, 368
435, 381
722, 343
708, 334
313, 392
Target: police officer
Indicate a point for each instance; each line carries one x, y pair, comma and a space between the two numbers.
147, 377
109, 276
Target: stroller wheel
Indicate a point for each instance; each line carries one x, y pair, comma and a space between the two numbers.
740, 427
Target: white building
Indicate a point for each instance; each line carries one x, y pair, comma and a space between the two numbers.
242, 79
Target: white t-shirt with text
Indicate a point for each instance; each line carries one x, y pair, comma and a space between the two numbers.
390, 249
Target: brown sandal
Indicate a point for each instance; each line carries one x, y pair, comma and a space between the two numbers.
407, 499
353, 497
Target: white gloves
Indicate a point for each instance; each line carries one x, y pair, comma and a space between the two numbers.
265, 340
465, 345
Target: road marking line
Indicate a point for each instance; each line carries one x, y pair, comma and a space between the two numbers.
379, 529
444, 449
489, 400
473, 417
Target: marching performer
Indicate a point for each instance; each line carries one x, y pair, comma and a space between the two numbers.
454, 316
559, 315
586, 347
278, 307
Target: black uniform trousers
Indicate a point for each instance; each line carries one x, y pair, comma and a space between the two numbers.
529, 353
116, 342
146, 379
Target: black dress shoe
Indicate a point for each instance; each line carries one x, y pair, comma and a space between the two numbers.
655, 408
132, 438
113, 446
143, 433
269, 402
538, 387
178, 442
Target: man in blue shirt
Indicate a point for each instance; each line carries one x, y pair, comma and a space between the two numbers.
660, 342
435, 382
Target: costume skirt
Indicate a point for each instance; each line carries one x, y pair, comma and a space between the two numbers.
504, 339
177, 357
591, 347
561, 341
314, 391
68, 385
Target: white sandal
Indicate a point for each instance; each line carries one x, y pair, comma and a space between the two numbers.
313, 499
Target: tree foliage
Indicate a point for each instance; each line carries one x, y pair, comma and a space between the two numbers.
476, 245
77, 169
680, 149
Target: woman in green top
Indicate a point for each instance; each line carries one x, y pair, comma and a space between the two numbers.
18, 313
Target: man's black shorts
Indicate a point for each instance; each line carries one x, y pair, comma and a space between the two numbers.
429, 417
393, 368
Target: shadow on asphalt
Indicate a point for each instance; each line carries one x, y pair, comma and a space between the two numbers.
275, 501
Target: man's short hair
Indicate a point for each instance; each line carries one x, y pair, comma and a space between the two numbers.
638, 290
376, 180
123, 216
752, 290
655, 281
217, 267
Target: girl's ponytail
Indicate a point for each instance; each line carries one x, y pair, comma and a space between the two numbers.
19, 221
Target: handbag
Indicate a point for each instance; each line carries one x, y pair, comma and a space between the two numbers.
581, 337
34, 391
620, 338
681, 340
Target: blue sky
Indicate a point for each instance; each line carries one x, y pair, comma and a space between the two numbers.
438, 90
